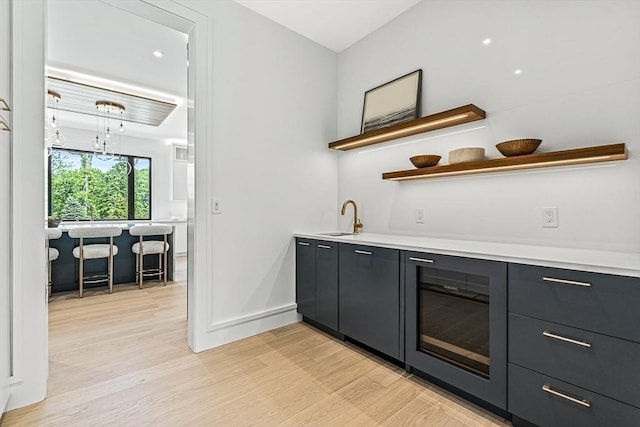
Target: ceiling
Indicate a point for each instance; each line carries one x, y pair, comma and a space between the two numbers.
335, 24
96, 44
99, 45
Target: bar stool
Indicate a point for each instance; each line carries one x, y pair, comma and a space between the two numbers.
51, 234
95, 251
151, 247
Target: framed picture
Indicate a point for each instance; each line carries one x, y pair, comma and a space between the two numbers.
394, 102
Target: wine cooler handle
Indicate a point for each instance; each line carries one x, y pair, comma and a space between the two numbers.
566, 282
430, 261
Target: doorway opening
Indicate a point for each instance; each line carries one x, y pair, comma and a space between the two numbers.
99, 44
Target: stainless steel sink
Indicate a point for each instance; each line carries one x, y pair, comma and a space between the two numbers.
336, 234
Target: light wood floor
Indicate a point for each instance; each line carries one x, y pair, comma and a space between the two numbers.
122, 360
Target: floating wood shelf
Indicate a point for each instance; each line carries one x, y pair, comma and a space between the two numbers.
457, 116
602, 153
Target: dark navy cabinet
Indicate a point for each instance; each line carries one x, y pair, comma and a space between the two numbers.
554, 347
369, 307
317, 281
327, 284
573, 347
306, 277
64, 272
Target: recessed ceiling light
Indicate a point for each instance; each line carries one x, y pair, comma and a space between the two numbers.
486, 41
158, 53
517, 72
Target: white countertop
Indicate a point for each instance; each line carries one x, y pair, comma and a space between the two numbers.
125, 225
620, 263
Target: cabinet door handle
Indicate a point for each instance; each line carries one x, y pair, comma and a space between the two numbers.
5, 106
582, 402
303, 243
430, 261
363, 252
324, 247
4, 124
565, 339
566, 282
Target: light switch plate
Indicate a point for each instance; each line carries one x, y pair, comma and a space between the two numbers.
216, 206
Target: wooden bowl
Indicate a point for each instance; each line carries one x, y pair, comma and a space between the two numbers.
468, 154
425, 160
518, 147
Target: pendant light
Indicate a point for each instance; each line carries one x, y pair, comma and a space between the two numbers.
54, 137
123, 162
103, 144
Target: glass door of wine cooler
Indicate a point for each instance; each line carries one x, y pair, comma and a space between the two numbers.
456, 322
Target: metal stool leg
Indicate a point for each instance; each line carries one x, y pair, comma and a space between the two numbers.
164, 268
141, 277
110, 265
49, 281
164, 264
81, 269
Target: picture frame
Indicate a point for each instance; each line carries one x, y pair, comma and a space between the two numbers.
394, 102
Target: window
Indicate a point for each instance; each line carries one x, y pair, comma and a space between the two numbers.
84, 185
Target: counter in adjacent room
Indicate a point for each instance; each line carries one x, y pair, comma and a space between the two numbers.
64, 270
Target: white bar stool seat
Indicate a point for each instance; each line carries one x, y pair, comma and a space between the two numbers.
52, 234
54, 254
95, 251
151, 247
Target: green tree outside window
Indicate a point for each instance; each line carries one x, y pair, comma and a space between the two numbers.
84, 185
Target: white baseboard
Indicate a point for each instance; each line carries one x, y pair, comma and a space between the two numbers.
246, 326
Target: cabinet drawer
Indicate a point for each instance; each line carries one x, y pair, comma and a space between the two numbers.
596, 302
562, 404
593, 361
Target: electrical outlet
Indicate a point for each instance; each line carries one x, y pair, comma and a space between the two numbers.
419, 215
550, 217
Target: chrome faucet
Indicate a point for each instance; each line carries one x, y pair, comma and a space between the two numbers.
357, 225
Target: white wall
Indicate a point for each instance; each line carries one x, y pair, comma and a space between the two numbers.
5, 206
272, 112
29, 297
161, 154
580, 86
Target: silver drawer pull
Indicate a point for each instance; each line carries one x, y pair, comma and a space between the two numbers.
5, 106
303, 243
363, 252
324, 247
584, 403
430, 261
565, 339
566, 282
